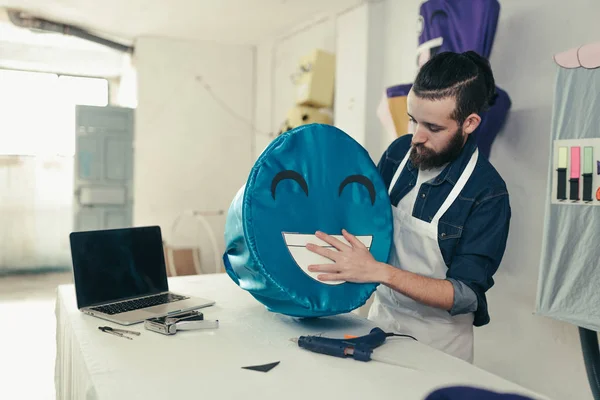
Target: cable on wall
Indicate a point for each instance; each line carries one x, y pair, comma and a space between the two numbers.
22, 20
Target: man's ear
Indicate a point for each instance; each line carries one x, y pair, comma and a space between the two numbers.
471, 123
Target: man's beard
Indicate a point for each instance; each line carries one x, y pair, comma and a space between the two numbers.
428, 159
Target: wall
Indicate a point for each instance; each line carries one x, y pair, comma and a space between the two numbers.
536, 352
193, 147
124, 88
277, 59
359, 74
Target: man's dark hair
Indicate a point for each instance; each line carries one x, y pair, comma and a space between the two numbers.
467, 77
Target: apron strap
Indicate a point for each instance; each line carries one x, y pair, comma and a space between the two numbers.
398, 172
460, 184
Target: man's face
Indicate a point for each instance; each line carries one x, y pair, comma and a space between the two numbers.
437, 138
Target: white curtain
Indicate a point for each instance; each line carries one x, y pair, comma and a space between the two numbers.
37, 146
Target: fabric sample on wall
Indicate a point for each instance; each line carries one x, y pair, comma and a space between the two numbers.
568, 274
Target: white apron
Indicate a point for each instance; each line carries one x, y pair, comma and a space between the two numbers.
416, 250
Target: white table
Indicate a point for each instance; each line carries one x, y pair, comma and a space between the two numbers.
91, 364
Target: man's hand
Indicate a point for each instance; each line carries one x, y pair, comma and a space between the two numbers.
353, 263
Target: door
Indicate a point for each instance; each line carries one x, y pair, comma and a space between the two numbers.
103, 185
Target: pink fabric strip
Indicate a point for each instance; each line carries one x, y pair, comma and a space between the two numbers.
575, 162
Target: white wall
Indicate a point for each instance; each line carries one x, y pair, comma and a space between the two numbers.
277, 59
359, 74
124, 89
534, 351
192, 150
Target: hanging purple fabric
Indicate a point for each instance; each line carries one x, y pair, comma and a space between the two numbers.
492, 122
459, 26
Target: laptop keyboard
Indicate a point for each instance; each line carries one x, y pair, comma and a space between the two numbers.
137, 304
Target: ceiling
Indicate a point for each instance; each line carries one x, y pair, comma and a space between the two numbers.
225, 21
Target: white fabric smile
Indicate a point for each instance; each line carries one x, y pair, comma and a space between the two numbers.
296, 244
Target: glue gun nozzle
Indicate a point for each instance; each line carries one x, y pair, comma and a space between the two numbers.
295, 340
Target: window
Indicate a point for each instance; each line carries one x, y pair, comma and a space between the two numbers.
37, 111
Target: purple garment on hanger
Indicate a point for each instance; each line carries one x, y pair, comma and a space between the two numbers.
463, 25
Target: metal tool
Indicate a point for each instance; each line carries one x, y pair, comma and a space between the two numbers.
193, 315
194, 325
118, 332
359, 348
188, 321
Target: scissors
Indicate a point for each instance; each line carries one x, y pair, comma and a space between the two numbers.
118, 332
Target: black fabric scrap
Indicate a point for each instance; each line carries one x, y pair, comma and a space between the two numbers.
262, 368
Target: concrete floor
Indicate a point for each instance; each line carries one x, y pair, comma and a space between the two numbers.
27, 335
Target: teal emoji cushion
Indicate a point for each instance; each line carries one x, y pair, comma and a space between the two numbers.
314, 177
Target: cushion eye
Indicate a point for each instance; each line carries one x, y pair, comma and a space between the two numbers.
288, 174
363, 180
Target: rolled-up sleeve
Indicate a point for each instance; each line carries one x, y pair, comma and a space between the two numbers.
465, 299
480, 249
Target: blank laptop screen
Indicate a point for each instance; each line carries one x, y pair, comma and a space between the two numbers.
116, 264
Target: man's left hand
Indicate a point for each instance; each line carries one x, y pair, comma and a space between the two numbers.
353, 263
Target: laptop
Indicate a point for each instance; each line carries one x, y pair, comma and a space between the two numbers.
120, 276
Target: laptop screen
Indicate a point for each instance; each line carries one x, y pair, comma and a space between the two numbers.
115, 264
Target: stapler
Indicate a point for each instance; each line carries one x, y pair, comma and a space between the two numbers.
170, 324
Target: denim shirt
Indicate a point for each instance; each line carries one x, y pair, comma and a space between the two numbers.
472, 234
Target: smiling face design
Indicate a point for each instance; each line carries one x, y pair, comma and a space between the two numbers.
316, 178
296, 242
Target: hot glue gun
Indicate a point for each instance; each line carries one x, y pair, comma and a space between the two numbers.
359, 348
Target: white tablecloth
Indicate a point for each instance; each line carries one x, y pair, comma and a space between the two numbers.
91, 364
